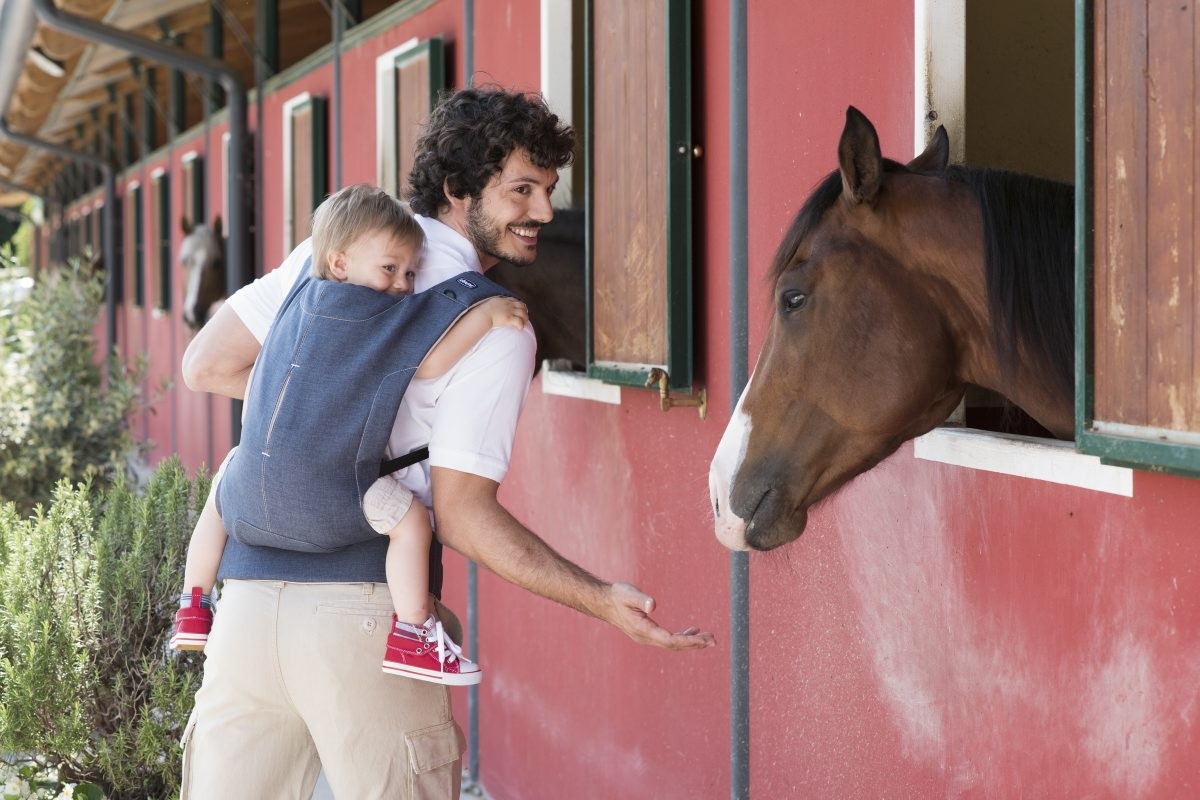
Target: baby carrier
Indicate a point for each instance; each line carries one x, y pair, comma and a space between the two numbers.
321, 406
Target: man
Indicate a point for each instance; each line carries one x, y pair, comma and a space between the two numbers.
292, 680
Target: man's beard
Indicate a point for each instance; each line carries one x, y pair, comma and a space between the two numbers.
485, 235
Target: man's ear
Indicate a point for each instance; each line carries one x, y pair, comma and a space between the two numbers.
456, 203
337, 265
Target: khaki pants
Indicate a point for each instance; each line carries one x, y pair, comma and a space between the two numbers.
292, 683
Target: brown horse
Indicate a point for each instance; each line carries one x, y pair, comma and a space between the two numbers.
202, 256
895, 288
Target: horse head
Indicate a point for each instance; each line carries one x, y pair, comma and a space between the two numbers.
882, 314
202, 256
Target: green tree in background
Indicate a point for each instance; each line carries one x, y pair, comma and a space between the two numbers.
60, 416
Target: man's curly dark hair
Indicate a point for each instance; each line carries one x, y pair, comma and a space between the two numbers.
469, 135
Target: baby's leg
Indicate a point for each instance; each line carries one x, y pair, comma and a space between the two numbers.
193, 621
205, 549
407, 566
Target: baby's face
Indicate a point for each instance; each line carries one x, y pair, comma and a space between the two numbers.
380, 261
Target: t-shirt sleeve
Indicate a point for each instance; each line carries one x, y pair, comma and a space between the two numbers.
257, 303
475, 418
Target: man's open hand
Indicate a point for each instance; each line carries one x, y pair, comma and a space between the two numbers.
630, 611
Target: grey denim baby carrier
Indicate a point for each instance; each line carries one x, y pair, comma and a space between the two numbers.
325, 392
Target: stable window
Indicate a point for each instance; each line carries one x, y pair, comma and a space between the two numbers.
1138, 275
305, 158
160, 238
134, 232
193, 189
984, 70
638, 161
116, 270
407, 82
94, 233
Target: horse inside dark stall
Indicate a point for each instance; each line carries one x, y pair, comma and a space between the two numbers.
553, 288
895, 288
202, 256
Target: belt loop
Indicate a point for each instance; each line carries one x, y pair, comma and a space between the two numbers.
368, 589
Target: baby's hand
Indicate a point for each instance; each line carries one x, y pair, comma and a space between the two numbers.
506, 311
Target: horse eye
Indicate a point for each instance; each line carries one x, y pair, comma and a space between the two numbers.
794, 301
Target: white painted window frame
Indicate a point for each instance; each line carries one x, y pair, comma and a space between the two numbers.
557, 78
156, 175
289, 210
385, 115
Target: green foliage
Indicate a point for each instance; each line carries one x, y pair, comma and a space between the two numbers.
88, 593
59, 415
19, 249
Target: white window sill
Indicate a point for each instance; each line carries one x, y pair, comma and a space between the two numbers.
578, 385
1025, 456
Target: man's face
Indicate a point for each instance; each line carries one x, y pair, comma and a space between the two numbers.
505, 221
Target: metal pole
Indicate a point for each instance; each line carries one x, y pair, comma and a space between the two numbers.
469, 41
109, 232
336, 8
472, 567
739, 564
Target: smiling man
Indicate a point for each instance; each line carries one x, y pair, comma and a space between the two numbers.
292, 680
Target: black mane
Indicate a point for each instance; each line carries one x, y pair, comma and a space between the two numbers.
1028, 228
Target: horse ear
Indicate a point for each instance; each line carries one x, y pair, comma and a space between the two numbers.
859, 158
217, 225
936, 155
186, 225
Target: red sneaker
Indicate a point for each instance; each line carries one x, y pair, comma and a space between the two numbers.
426, 653
192, 624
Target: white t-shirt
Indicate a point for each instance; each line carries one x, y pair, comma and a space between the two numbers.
468, 416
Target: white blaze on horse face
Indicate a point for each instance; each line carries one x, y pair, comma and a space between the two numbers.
192, 295
730, 528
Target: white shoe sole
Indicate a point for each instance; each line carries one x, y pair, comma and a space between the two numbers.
188, 641
422, 674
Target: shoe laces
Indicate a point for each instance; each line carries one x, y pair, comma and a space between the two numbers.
448, 651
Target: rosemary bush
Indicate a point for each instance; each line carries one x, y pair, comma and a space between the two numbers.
88, 590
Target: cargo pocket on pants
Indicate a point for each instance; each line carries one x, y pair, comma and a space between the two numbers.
185, 742
435, 760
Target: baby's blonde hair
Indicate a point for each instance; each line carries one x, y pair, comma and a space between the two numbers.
355, 211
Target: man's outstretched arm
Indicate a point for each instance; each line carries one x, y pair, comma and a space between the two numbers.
471, 520
220, 355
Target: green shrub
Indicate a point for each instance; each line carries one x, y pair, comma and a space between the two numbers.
88, 593
59, 415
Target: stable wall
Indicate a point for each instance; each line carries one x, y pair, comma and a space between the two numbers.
938, 630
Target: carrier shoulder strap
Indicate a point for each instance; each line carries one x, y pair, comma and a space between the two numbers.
407, 460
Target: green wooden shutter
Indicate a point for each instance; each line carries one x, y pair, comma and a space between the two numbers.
637, 170
135, 233
161, 238
1138, 253
419, 75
